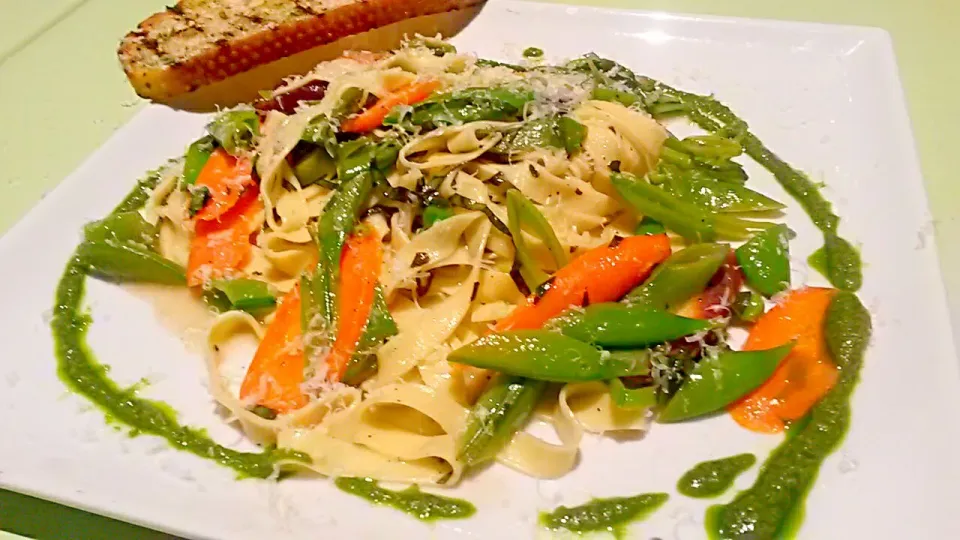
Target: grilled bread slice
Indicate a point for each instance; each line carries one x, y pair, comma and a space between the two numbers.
199, 42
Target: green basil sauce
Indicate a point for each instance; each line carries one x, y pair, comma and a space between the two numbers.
423, 506
842, 265
83, 374
712, 478
774, 504
611, 514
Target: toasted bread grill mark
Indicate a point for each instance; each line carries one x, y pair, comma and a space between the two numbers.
198, 42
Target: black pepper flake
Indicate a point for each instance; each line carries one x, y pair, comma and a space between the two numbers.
543, 289
578, 191
534, 172
615, 166
420, 259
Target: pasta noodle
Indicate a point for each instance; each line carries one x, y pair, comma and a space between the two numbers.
445, 282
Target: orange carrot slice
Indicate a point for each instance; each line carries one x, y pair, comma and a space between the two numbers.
372, 118
804, 376
274, 377
222, 247
603, 274
359, 272
226, 177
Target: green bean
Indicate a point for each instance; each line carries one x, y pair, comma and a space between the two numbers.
501, 411
716, 383
548, 356
624, 326
680, 277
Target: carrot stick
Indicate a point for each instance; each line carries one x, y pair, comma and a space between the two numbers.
222, 246
603, 274
226, 177
276, 373
359, 272
804, 376
372, 118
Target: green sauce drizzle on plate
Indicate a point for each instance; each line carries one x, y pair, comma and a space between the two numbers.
423, 506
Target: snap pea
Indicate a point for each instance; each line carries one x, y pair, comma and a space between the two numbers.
501, 411
716, 383
632, 398
748, 306
649, 226
684, 274
711, 146
549, 131
522, 214
128, 262
548, 356
696, 187
435, 212
198, 198
682, 217
361, 155
249, 295
572, 133
624, 326
314, 167
626, 99
339, 217
380, 326
765, 260
540, 133
469, 105
197, 155
235, 130
122, 227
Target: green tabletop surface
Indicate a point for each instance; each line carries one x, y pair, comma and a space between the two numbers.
63, 94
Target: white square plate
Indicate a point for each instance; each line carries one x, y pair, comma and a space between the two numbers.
827, 98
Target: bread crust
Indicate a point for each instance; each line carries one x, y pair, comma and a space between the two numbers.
198, 42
